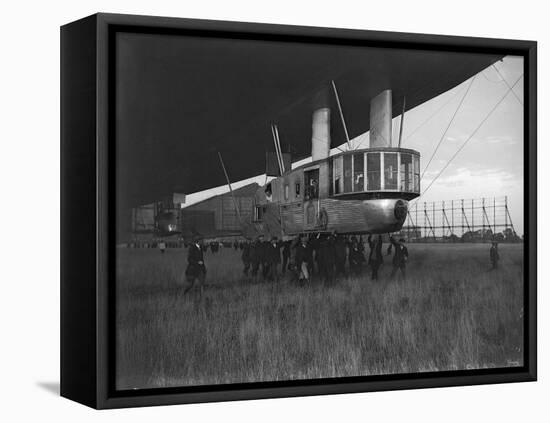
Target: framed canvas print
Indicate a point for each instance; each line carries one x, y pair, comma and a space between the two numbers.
254, 211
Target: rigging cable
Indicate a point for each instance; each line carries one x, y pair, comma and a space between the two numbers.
507, 84
413, 94
448, 126
432, 115
470, 137
490, 80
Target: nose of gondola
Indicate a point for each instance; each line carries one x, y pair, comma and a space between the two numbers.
384, 215
400, 210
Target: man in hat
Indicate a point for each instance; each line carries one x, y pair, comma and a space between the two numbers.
196, 270
493, 255
245, 256
304, 259
256, 255
356, 257
162, 246
400, 256
340, 254
375, 256
272, 259
286, 256
325, 258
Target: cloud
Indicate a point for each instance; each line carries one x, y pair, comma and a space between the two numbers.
461, 182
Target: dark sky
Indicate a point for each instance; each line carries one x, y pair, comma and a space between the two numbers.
181, 99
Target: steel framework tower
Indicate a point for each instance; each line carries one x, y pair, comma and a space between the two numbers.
467, 220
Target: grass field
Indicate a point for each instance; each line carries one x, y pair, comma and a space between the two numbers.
452, 312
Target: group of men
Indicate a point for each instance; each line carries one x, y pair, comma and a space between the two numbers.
326, 254
265, 256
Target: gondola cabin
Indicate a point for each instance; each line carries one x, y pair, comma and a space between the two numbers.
354, 192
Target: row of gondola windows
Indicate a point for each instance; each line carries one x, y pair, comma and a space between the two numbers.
401, 172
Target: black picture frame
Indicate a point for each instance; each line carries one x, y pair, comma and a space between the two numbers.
87, 220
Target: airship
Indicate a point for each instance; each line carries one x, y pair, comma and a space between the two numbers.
356, 191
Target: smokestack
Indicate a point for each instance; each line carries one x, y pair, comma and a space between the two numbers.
380, 120
320, 127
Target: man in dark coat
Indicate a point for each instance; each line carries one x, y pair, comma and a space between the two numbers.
340, 255
360, 244
313, 243
264, 254
214, 246
356, 257
196, 270
245, 257
286, 257
162, 246
325, 258
319, 251
256, 255
493, 254
272, 259
304, 259
375, 256
400, 256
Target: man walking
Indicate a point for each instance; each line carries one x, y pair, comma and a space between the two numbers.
286, 256
162, 246
245, 257
356, 257
273, 259
256, 255
493, 255
375, 256
340, 255
400, 257
304, 259
325, 258
196, 270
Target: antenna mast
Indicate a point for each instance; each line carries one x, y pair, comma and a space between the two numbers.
283, 170
401, 124
230, 189
275, 143
341, 113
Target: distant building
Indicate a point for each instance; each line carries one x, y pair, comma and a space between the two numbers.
216, 217
145, 218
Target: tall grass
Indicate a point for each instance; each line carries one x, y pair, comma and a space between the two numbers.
451, 313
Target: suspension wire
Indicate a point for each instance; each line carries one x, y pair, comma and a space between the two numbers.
455, 95
507, 84
490, 80
412, 95
422, 124
362, 141
470, 137
448, 126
